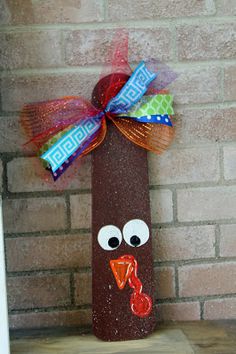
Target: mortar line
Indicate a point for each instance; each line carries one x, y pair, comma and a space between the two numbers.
68, 212
174, 201
45, 194
52, 271
10, 155
62, 232
217, 243
87, 268
221, 161
202, 303
50, 309
193, 185
4, 177
72, 289
96, 69
195, 261
176, 281
155, 226
202, 298
222, 89
129, 23
67, 192
167, 225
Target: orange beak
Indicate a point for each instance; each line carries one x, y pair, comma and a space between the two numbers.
122, 269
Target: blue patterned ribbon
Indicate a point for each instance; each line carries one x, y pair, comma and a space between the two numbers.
70, 142
132, 91
154, 118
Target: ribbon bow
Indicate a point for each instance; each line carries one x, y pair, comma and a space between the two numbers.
71, 127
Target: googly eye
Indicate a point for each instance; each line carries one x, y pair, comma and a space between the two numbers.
109, 237
136, 232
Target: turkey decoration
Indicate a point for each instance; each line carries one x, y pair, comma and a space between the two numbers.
130, 113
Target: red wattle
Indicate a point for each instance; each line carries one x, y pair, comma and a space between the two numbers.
141, 304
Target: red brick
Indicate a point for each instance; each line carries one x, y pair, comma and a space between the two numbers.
30, 49
18, 90
80, 211
220, 309
197, 85
183, 311
195, 204
164, 282
206, 41
227, 240
11, 135
52, 11
83, 288
151, 9
230, 83
41, 320
26, 292
229, 162
86, 47
226, 7
161, 205
207, 279
39, 214
48, 252
28, 175
184, 166
200, 126
180, 243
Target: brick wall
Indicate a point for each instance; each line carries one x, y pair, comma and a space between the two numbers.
55, 48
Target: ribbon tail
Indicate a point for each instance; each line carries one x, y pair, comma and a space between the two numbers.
72, 144
79, 153
92, 143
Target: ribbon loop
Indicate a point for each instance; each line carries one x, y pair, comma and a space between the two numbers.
132, 91
154, 104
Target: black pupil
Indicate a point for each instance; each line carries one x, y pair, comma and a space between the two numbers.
113, 242
135, 241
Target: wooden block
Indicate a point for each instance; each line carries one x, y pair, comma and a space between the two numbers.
120, 197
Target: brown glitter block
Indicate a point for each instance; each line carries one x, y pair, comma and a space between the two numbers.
120, 194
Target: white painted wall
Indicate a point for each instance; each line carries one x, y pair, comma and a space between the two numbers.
4, 331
